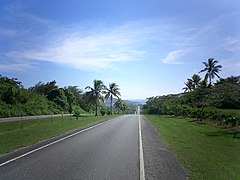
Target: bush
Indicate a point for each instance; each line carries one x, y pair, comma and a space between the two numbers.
103, 112
108, 112
76, 111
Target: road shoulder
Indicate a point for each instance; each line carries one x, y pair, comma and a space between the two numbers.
159, 162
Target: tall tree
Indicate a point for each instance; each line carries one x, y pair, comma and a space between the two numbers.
196, 79
113, 90
70, 99
58, 96
94, 94
211, 70
189, 85
121, 105
44, 89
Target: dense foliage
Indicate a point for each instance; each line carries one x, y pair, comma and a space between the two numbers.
43, 98
202, 99
17, 101
48, 98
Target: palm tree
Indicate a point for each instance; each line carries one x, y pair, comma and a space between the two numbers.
203, 84
192, 84
211, 70
94, 96
189, 85
196, 81
113, 90
121, 105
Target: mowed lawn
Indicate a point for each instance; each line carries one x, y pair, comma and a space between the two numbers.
14, 135
209, 152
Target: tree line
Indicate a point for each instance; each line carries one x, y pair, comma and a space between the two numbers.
202, 98
49, 98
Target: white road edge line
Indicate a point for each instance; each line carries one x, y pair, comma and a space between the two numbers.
142, 171
52, 143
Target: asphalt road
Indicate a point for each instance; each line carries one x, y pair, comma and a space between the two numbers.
30, 117
109, 151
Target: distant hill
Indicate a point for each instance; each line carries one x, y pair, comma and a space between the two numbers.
139, 101
132, 102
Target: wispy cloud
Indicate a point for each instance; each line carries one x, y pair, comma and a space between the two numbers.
90, 47
231, 44
213, 38
32, 18
90, 51
173, 57
15, 67
99, 47
231, 67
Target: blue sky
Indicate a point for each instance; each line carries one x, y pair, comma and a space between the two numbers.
147, 47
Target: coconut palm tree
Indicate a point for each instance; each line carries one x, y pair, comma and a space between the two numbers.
121, 105
113, 90
94, 95
211, 69
192, 84
196, 79
189, 85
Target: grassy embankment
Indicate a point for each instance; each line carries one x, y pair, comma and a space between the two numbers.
209, 152
14, 135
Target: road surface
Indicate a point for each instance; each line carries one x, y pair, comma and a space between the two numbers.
108, 151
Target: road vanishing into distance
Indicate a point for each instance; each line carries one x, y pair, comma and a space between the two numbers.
109, 151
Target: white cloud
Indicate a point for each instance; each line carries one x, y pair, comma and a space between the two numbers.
231, 44
99, 47
90, 47
174, 56
86, 52
19, 67
32, 18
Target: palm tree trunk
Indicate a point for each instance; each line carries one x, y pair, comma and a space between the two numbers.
96, 108
111, 105
210, 79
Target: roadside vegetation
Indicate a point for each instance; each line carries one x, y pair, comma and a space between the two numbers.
202, 124
202, 99
49, 98
209, 152
14, 135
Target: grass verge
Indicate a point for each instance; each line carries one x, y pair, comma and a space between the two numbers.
209, 152
14, 135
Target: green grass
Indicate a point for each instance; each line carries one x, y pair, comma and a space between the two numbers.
209, 152
14, 135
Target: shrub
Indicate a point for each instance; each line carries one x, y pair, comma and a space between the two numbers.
103, 112
76, 111
108, 112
